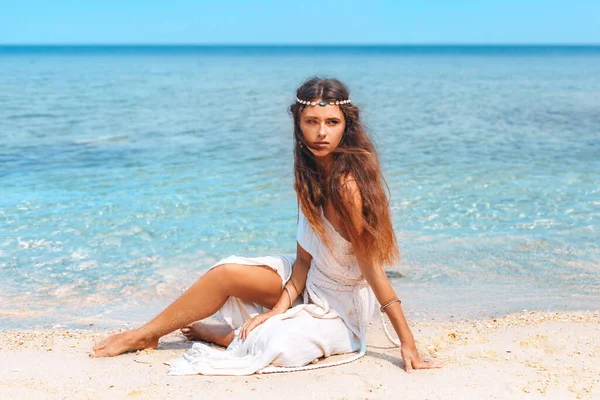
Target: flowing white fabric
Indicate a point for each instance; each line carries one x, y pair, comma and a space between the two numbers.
337, 302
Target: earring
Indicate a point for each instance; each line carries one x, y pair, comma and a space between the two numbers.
300, 145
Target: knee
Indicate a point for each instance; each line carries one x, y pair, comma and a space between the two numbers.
222, 275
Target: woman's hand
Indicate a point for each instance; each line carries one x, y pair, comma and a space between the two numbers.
252, 323
412, 359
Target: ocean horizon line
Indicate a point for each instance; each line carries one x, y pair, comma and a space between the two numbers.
302, 49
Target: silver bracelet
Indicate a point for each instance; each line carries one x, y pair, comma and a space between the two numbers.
294, 285
289, 295
388, 303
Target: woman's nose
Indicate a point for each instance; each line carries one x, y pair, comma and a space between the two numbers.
322, 129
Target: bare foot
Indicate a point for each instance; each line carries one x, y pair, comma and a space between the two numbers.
220, 334
121, 343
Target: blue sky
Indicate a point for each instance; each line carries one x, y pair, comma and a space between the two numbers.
299, 22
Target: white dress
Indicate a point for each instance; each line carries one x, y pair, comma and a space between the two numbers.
337, 302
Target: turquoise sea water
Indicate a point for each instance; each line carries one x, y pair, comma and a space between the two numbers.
126, 171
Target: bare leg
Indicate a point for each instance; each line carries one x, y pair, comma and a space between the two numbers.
220, 334
259, 285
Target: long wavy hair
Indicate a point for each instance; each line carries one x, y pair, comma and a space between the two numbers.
356, 155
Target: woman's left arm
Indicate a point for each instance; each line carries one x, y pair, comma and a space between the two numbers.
378, 281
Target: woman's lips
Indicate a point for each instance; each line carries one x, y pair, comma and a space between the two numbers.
321, 144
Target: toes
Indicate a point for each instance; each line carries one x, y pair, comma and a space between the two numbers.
97, 351
96, 354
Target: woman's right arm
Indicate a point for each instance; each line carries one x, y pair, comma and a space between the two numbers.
297, 281
295, 287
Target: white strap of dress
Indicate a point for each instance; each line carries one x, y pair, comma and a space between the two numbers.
272, 369
387, 333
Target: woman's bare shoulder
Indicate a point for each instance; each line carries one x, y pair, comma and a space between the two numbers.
350, 192
352, 199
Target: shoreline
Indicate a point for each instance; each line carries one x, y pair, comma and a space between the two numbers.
421, 303
522, 355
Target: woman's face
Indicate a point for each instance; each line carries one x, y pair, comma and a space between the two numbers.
322, 129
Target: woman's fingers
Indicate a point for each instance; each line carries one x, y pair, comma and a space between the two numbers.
249, 325
427, 362
408, 365
413, 360
252, 323
433, 363
243, 330
248, 328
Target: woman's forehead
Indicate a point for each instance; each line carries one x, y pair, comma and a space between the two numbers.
323, 112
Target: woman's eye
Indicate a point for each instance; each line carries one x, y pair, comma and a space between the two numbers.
333, 122
312, 122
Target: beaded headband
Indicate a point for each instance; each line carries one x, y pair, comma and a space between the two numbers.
322, 103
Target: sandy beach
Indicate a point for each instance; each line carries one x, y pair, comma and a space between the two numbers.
128, 169
525, 355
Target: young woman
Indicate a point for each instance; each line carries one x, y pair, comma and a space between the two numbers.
330, 288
